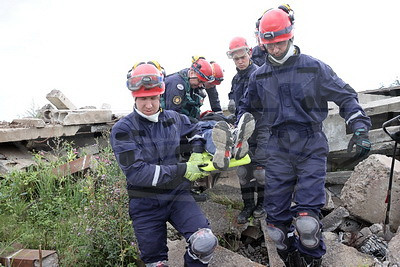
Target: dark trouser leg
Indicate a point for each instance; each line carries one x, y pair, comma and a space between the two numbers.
259, 210
248, 200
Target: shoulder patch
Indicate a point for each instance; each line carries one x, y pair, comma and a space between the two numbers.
180, 86
177, 100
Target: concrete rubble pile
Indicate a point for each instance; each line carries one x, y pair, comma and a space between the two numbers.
355, 210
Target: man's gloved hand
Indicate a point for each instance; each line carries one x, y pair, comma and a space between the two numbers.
193, 172
259, 174
361, 140
196, 157
231, 106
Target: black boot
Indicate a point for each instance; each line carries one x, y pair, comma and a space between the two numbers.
291, 259
248, 200
259, 210
309, 261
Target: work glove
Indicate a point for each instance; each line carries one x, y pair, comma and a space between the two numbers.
196, 157
259, 175
231, 106
361, 140
193, 172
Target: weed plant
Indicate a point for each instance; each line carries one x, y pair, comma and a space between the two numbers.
83, 217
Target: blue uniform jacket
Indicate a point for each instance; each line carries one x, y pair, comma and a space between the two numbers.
147, 152
239, 83
298, 92
258, 56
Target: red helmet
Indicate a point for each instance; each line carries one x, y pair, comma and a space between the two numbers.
275, 26
145, 80
203, 70
237, 43
218, 73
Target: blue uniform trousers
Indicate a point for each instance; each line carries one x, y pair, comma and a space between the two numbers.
295, 173
149, 217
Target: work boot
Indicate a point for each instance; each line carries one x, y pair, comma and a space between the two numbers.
290, 259
248, 200
245, 129
259, 210
223, 141
309, 261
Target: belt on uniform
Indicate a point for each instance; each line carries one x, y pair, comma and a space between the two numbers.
302, 131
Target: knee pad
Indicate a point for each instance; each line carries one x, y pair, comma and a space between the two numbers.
309, 230
259, 174
282, 237
241, 172
202, 244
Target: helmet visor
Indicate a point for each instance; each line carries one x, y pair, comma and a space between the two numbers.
202, 76
148, 81
237, 52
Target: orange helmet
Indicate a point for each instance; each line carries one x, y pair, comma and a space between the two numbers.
236, 44
145, 80
276, 26
203, 70
218, 73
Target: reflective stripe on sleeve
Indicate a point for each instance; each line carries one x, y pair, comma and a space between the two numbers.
156, 175
355, 115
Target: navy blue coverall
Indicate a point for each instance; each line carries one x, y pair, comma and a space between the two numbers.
147, 153
292, 101
258, 55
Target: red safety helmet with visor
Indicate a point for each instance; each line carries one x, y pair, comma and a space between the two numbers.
218, 73
275, 26
145, 80
203, 70
238, 46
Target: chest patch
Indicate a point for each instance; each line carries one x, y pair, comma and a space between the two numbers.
177, 100
180, 86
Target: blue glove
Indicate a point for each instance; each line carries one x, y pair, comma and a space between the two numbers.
361, 140
259, 174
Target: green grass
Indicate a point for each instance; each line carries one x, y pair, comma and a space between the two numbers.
83, 217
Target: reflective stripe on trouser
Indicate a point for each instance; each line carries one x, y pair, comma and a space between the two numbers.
295, 172
149, 216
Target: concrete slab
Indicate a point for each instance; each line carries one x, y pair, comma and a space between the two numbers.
20, 134
82, 116
59, 100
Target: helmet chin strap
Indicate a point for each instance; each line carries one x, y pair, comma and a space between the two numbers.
290, 51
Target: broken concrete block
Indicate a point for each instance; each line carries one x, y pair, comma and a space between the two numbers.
58, 99
332, 221
82, 116
364, 193
29, 122
31, 258
338, 254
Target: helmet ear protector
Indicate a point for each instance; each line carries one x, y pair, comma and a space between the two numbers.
289, 11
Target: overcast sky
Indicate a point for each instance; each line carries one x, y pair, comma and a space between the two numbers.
85, 47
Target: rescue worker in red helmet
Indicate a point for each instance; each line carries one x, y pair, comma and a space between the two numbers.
251, 182
211, 87
145, 144
185, 90
289, 94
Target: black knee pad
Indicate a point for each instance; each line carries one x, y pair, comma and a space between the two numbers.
281, 235
308, 227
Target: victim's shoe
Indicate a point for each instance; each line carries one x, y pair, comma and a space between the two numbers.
245, 129
222, 138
